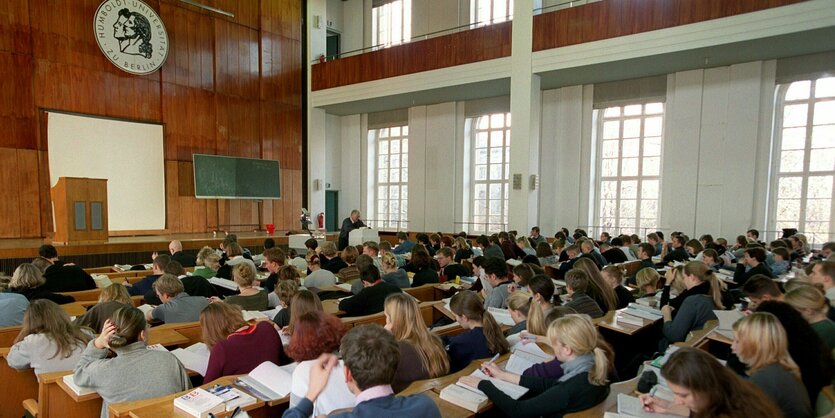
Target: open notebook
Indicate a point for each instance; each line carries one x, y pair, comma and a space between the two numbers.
269, 381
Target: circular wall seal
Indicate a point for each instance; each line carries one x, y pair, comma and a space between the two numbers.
131, 35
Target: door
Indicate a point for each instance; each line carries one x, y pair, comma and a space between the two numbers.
332, 210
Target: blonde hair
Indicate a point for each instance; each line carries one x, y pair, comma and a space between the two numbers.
407, 325
203, 254
328, 249
129, 322
116, 292
312, 258
218, 320
702, 272
647, 276
389, 260
577, 332
461, 243
808, 297
285, 290
244, 275
763, 342
677, 273
26, 276
524, 242
523, 303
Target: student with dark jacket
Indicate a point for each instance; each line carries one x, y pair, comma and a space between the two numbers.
28, 281
753, 263
329, 260
613, 276
63, 277
146, 285
422, 265
695, 308
584, 382
371, 356
483, 337
371, 299
678, 253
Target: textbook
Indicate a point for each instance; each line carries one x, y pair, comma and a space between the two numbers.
464, 397
641, 311
726, 322
345, 286
525, 356
625, 318
79, 390
509, 389
232, 398
101, 280
255, 315
145, 308
631, 406
268, 381
199, 403
502, 316
227, 284
194, 357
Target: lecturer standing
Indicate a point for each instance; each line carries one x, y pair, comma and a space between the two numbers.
349, 224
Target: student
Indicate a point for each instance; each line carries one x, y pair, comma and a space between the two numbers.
385, 248
495, 271
274, 260
823, 274
483, 337
350, 273
521, 274
760, 343
760, 289
645, 253
694, 249
812, 304
372, 297
647, 282
329, 260
518, 304
711, 258
392, 274
523, 244
678, 253
542, 290
135, 372
251, 297
584, 384
28, 281
782, 261
545, 254
370, 361
146, 285
297, 261
48, 341
706, 283
404, 245
703, 388
422, 265
236, 256
175, 247
415, 342
598, 289
463, 251
450, 269
589, 251
208, 263
577, 283
236, 346
702, 296
317, 277
177, 306
315, 334
12, 308
753, 262
488, 249
805, 347
612, 254
553, 369
193, 285
63, 277
111, 298
302, 302
613, 276
285, 291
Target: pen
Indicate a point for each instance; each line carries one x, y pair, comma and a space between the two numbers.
494, 358
237, 409
487, 371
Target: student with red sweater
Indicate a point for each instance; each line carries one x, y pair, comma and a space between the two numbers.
237, 347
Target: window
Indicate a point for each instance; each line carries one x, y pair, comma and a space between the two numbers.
629, 140
391, 188
391, 23
804, 154
487, 12
490, 172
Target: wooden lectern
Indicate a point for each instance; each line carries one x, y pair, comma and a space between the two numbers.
80, 210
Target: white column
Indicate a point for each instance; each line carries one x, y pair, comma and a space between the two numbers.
316, 118
525, 108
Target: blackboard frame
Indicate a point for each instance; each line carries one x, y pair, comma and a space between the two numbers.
235, 195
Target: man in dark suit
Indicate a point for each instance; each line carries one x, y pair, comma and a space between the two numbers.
63, 277
371, 299
678, 253
349, 224
176, 249
449, 268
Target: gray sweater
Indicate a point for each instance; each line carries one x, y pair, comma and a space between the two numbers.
784, 389
695, 311
135, 373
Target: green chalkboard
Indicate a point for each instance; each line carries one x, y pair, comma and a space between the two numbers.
220, 177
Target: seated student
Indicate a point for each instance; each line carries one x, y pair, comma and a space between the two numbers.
647, 282
285, 291
706, 283
712, 259
495, 272
760, 343
782, 261
175, 247
315, 334
28, 281
613, 276
63, 277
251, 297
111, 298
424, 240
806, 348
694, 249
521, 274
677, 254
812, 304
302, 302
523, 244
542, 291
297, 261
422, 265
572, 255
317, 277
583, 385
48, 341
135, 372
553, 369
598, 290
274, 260
329, 259
545, 254
463, 251
385, 248
404, 321
372, 297
753, 262
645, 253
146, 285
450, 269
760, 289
12, 306
823, 274
489, 248
237, 347
236, 256
350, 273
483, 337
519, 304
588, 250
392, 274
177, 306
371, 358
208, 263
193, 285
696, 306
704, 388
577, 284
613, 254
404, 245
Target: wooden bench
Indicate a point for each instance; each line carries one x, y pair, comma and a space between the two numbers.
426, 311
56, 400
424, 293
18, 385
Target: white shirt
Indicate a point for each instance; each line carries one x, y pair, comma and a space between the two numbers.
335, 396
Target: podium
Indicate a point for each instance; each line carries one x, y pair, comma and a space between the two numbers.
80, 206
359, 236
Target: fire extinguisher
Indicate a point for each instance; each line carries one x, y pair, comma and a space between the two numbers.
320, 220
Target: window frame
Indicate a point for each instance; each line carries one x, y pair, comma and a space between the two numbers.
474, 6
384, 220
504, 182
405, 34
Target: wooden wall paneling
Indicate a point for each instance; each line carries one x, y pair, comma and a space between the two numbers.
17, 113
246, 12
238, 126
236, 59
45, 196
9, 188
14, 26
282, 17
174, 215
190, 116
191, 56
280, 69
29, 187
